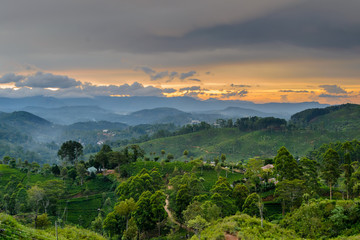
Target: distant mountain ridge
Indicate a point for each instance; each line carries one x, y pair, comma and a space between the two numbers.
121, 105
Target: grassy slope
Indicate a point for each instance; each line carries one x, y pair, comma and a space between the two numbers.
339, 125
239, 145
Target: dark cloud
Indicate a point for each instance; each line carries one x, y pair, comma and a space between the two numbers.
288, 26
187, 75
333, 89
193, 88
241, 93
11, 78
194, 79
47, 80
239, 86
294, 91
333, 96
169, 90
38, 84
147, 70
159, 75
154, 75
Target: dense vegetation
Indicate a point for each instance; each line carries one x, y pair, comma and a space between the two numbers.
165, 189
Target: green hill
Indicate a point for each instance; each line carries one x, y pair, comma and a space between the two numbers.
339, 123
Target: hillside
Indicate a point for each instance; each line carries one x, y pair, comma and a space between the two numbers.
335, 118
339, 124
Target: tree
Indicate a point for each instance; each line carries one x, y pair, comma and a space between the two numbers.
55, 170
290, 191
250, 206
169, 157
70, 151
36, 195
186, 153
157, 201
348, 171
81, 172
240, 194
43, 221
223, 158
125, 208
330, 170
253, 172
198, 224
143, 213
286, 166
131, 232
309, 170
72, 173
97, 224
218, 169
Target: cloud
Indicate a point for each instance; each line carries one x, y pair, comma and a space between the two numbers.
187, 75
239, 86
194, 79
333, 96
169, 90
41, 83
47, 80
193, 88
159, 75
333, 89
293, 91
241, 93
11, 78
147, 70
154, 75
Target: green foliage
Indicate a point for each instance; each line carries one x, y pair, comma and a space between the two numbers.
13, 230
136, 185
42, 221
246, 227
324, 219
240, 194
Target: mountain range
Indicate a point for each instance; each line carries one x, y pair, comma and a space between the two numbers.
147, 110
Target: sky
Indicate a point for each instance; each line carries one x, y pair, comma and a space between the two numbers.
253, 50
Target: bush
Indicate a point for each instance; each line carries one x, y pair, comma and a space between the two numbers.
42, 221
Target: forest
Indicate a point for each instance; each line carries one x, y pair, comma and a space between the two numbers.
131, 194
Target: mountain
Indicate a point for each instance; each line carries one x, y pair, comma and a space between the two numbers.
237, 112
99, 125
72, 114
122, 105
24, 121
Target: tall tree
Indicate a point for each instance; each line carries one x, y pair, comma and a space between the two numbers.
70, 151
36, 195
286, 166
331, 168
157, 201
290, 192
309, 169
125, 208
198, 224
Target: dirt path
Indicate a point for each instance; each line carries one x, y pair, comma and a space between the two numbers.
230, 237
171, 217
